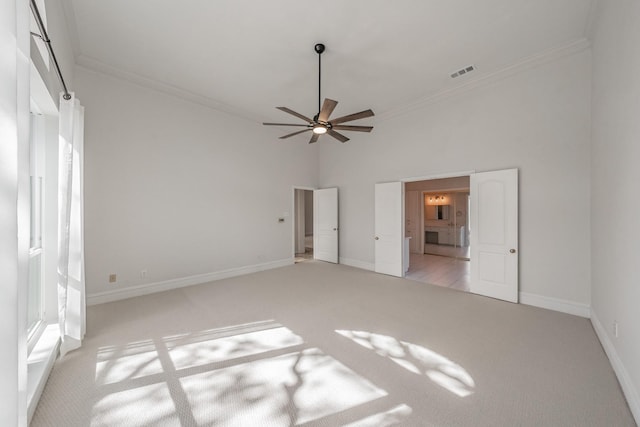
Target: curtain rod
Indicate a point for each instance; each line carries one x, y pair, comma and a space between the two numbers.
45, 38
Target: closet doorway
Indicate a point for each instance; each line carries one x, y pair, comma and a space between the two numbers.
303, 224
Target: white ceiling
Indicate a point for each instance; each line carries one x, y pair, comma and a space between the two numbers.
248, 56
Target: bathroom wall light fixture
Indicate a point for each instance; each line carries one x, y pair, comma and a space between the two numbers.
437, 200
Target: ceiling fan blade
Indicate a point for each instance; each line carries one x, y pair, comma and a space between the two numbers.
354, 128
327, 108
355, 116
283, 124
314, 138
340, 137
293, 113
294, 133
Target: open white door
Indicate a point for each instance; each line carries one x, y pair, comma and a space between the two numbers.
388, 228
325, 225
494, 234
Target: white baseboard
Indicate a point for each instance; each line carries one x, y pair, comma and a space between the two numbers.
166, 285
629, 390
556, 304
358, 264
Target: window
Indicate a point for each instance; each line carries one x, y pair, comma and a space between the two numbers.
35, 294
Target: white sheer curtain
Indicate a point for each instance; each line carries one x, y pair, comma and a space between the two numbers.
71, 293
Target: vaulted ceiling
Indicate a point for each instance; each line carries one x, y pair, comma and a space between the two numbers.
248, 56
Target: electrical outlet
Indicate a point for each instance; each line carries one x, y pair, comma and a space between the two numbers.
112, 278
615, 328
143, 274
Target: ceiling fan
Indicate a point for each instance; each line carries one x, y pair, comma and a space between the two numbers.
320, 124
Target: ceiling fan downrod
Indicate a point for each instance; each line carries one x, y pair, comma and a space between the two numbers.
319, 48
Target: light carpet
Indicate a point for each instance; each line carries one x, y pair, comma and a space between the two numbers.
317, 344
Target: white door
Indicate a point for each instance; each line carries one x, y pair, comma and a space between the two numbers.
388, 229
494, 234
325, 225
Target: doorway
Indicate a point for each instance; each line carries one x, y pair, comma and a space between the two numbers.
493, 219
303, 224
437, 221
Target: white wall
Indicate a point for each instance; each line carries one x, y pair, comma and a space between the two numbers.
615, 206
536, 121
178, 189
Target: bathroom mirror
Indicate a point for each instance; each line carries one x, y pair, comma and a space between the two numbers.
433, 212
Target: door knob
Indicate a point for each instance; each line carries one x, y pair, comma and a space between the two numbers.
335, 229
377, 238
513, 251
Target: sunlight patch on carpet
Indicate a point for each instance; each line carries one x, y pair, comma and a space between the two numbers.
251, 374
392, 417
186, 354
147, 405
417, 359
135, 360
287, 390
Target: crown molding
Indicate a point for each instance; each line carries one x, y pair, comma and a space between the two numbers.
100, 67
533, 61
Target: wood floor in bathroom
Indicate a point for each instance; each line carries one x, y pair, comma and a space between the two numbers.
450, 272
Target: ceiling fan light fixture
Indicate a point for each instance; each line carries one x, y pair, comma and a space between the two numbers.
319, 129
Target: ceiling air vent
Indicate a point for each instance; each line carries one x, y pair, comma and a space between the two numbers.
463, 71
